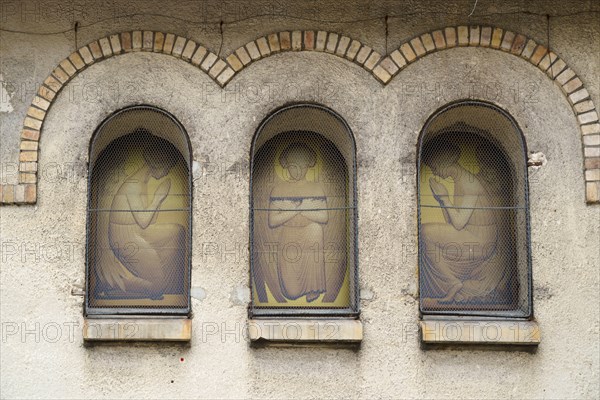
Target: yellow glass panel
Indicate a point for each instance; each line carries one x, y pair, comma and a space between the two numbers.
302, 226
467, 225
139, 224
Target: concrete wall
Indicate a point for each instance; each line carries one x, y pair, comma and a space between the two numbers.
43, 246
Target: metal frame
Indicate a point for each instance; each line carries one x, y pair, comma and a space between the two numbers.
137, 311
523, 150
282, 312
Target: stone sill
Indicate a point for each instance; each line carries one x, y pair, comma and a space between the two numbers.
480, 331
290, 331
137, 329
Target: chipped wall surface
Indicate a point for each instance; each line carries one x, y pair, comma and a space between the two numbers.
42, 354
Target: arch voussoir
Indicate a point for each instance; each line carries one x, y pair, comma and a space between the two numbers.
382, 67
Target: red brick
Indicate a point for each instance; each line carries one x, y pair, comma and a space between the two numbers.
27, 177
199, 55
418, 47
592, 162
408, 52
61, 75
474, 34
428, 42
518, 45
208, 62
332, 41
148, 40
96, 50
159, 41
450, 33
136, 40
486, 36
274, 45
321, 41
115, 43
105, 47
225, 76
178, 46
126, 41
263, 46
27, 156
538, 54
439, 40
309, 40
592, 192
234, 62
168, 44
30, 134
188, 51
30, 193
496, 38
463, 35
285, 41
86, 54
508, 40
297, 40
353, 50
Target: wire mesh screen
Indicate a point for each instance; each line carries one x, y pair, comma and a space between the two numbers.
473, 214
139, 220
303, 215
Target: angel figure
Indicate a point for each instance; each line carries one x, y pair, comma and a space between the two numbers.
460, 262
299, 208
149, 254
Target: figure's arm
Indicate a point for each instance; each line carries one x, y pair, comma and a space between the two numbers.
458, 217
320, 214
280, 213
446, 216
144, 217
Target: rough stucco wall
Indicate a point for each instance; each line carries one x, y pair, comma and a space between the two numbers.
36, 287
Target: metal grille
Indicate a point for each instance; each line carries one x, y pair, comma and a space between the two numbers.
474, 252
303, 214
139, 219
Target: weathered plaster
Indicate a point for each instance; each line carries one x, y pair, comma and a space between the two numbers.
43, 246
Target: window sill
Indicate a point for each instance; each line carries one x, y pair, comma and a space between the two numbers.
288, 331
137, 329
479, 331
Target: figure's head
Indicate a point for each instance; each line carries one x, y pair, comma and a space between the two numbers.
159, 154
439, 155
297, 158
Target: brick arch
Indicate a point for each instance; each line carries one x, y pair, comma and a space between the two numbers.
25, 192
383, 68
528, 49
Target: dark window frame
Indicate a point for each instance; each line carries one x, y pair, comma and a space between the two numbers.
353, 311
528, 313
92, 312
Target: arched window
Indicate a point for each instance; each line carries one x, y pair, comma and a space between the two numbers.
474, 254
139, 221
303, 214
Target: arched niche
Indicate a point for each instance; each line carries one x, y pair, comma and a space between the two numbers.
139, 215
474, 233
303, 214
